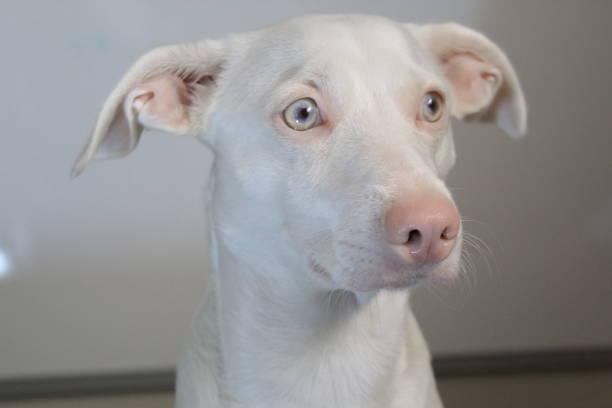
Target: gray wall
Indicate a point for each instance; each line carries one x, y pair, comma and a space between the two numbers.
104, 272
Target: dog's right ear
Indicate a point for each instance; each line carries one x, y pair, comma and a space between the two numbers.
170, 88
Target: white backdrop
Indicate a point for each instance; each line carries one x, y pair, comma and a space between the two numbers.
104, 272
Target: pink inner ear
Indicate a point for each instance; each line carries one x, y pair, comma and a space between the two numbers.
474, 83
163, 103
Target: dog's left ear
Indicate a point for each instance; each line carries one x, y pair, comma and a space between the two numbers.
170, 88
483, 83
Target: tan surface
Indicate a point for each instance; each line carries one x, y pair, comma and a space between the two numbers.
592, 390
129, 401
530, 391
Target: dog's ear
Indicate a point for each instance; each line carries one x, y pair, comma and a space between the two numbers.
170, 88
483, 82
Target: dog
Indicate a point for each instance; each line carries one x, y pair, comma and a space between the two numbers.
327, 201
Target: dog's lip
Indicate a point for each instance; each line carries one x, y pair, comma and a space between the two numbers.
318, 269
389, 273
386, 278
405, 280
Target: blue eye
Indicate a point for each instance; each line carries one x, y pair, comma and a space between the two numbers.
302, 114
432, 106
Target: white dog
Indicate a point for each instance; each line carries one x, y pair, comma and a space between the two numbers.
327, 202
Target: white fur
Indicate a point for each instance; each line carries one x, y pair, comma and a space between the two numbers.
307, 305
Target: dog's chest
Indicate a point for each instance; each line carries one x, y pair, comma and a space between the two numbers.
356, 366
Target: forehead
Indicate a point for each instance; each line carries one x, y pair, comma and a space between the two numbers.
338, 52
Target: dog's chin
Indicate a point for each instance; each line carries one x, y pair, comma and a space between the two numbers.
389, 275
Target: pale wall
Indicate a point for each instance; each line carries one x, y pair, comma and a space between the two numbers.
106, 270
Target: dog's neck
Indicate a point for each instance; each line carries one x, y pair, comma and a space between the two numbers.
283, 340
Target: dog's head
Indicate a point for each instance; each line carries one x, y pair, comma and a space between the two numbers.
332, 132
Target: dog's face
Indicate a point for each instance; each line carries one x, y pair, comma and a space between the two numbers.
332, 132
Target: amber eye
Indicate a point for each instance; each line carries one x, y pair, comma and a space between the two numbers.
302, 114
432, 107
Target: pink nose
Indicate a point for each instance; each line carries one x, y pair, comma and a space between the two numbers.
423, 229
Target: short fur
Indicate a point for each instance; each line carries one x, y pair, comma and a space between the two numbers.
307, 306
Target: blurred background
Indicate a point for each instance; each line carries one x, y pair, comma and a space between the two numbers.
100, 276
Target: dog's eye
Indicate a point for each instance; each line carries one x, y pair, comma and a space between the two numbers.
302, 114
432, 107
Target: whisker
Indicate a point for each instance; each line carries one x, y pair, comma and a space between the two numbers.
477, 249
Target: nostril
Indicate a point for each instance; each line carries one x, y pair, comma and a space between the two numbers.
414, 238
448, 234
445, 234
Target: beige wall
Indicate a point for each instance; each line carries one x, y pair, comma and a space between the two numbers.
103, 273
544, 205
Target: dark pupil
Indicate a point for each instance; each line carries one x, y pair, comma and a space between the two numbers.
432, 104
303, 113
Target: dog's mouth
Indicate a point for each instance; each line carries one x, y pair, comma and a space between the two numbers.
386, 272
385, 277
318, 269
